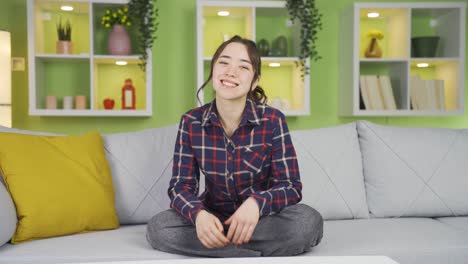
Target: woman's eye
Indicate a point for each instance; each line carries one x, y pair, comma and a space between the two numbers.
244, 67
222, 62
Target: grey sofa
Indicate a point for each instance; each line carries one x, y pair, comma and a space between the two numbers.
394, 191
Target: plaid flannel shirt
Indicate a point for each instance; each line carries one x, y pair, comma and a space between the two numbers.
258, 161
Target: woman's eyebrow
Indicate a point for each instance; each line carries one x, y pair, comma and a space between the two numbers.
246, 61
229, 57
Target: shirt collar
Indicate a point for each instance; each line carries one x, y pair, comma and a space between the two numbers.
250, 114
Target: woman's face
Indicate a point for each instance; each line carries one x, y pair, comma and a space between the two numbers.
233, 73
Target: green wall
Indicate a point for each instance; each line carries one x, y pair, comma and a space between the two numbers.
174, 75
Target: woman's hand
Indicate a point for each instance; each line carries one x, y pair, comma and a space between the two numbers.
243, 222
210, 230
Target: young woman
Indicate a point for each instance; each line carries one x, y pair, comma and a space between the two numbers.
243, 148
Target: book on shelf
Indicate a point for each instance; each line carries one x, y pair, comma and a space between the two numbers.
431, 94
414, 92
364, 92
387, 92
373, 92
377, 92
427, 94
440, 94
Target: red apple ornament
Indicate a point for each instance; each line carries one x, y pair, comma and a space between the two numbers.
109, 103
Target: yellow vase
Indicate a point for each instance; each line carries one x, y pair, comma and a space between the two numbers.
373, 50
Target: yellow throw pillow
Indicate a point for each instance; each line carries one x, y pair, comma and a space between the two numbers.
60, 185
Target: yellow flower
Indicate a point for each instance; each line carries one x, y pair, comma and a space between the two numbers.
374, 33
117, 16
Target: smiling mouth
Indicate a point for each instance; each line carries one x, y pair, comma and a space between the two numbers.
229, 84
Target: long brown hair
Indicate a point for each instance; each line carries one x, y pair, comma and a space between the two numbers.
257, 94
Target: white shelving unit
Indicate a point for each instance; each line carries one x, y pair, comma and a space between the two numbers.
89, 71
250, 19
400, 22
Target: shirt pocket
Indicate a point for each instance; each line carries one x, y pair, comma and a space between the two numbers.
253, 157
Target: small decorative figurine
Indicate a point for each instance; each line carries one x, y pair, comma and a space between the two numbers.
108, 103
128, 95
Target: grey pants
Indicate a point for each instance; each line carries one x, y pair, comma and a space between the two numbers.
293, 231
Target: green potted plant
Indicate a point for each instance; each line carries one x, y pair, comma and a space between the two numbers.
145, 14
307, 14
64, 44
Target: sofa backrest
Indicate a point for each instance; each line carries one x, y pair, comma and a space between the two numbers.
331, 171
420, 172
141, 165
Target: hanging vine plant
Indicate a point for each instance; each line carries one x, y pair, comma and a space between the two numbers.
307, 14
145, 15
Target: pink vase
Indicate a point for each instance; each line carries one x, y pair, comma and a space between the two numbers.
118, 42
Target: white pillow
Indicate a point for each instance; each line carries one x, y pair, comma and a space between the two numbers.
419, 172
141, 165
331, 171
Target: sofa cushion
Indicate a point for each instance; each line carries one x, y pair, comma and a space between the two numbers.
406, 240
141, 165
414, 171
60, 185
8, 218
331, 171
459, 222
125, 243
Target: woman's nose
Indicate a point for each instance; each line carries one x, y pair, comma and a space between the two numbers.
231, 70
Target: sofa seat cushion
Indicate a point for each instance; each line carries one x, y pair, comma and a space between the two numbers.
455, 222
416, 172
406, 240
331, 171
125, 243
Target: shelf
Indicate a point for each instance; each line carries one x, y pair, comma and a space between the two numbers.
393, 23
74, 112
442, 22
61, 78
442, 82
255, 20
101, 33
108, 85
217, 29
407, 113
445, 70
47, 15
273, 24
89, 70
275, 79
